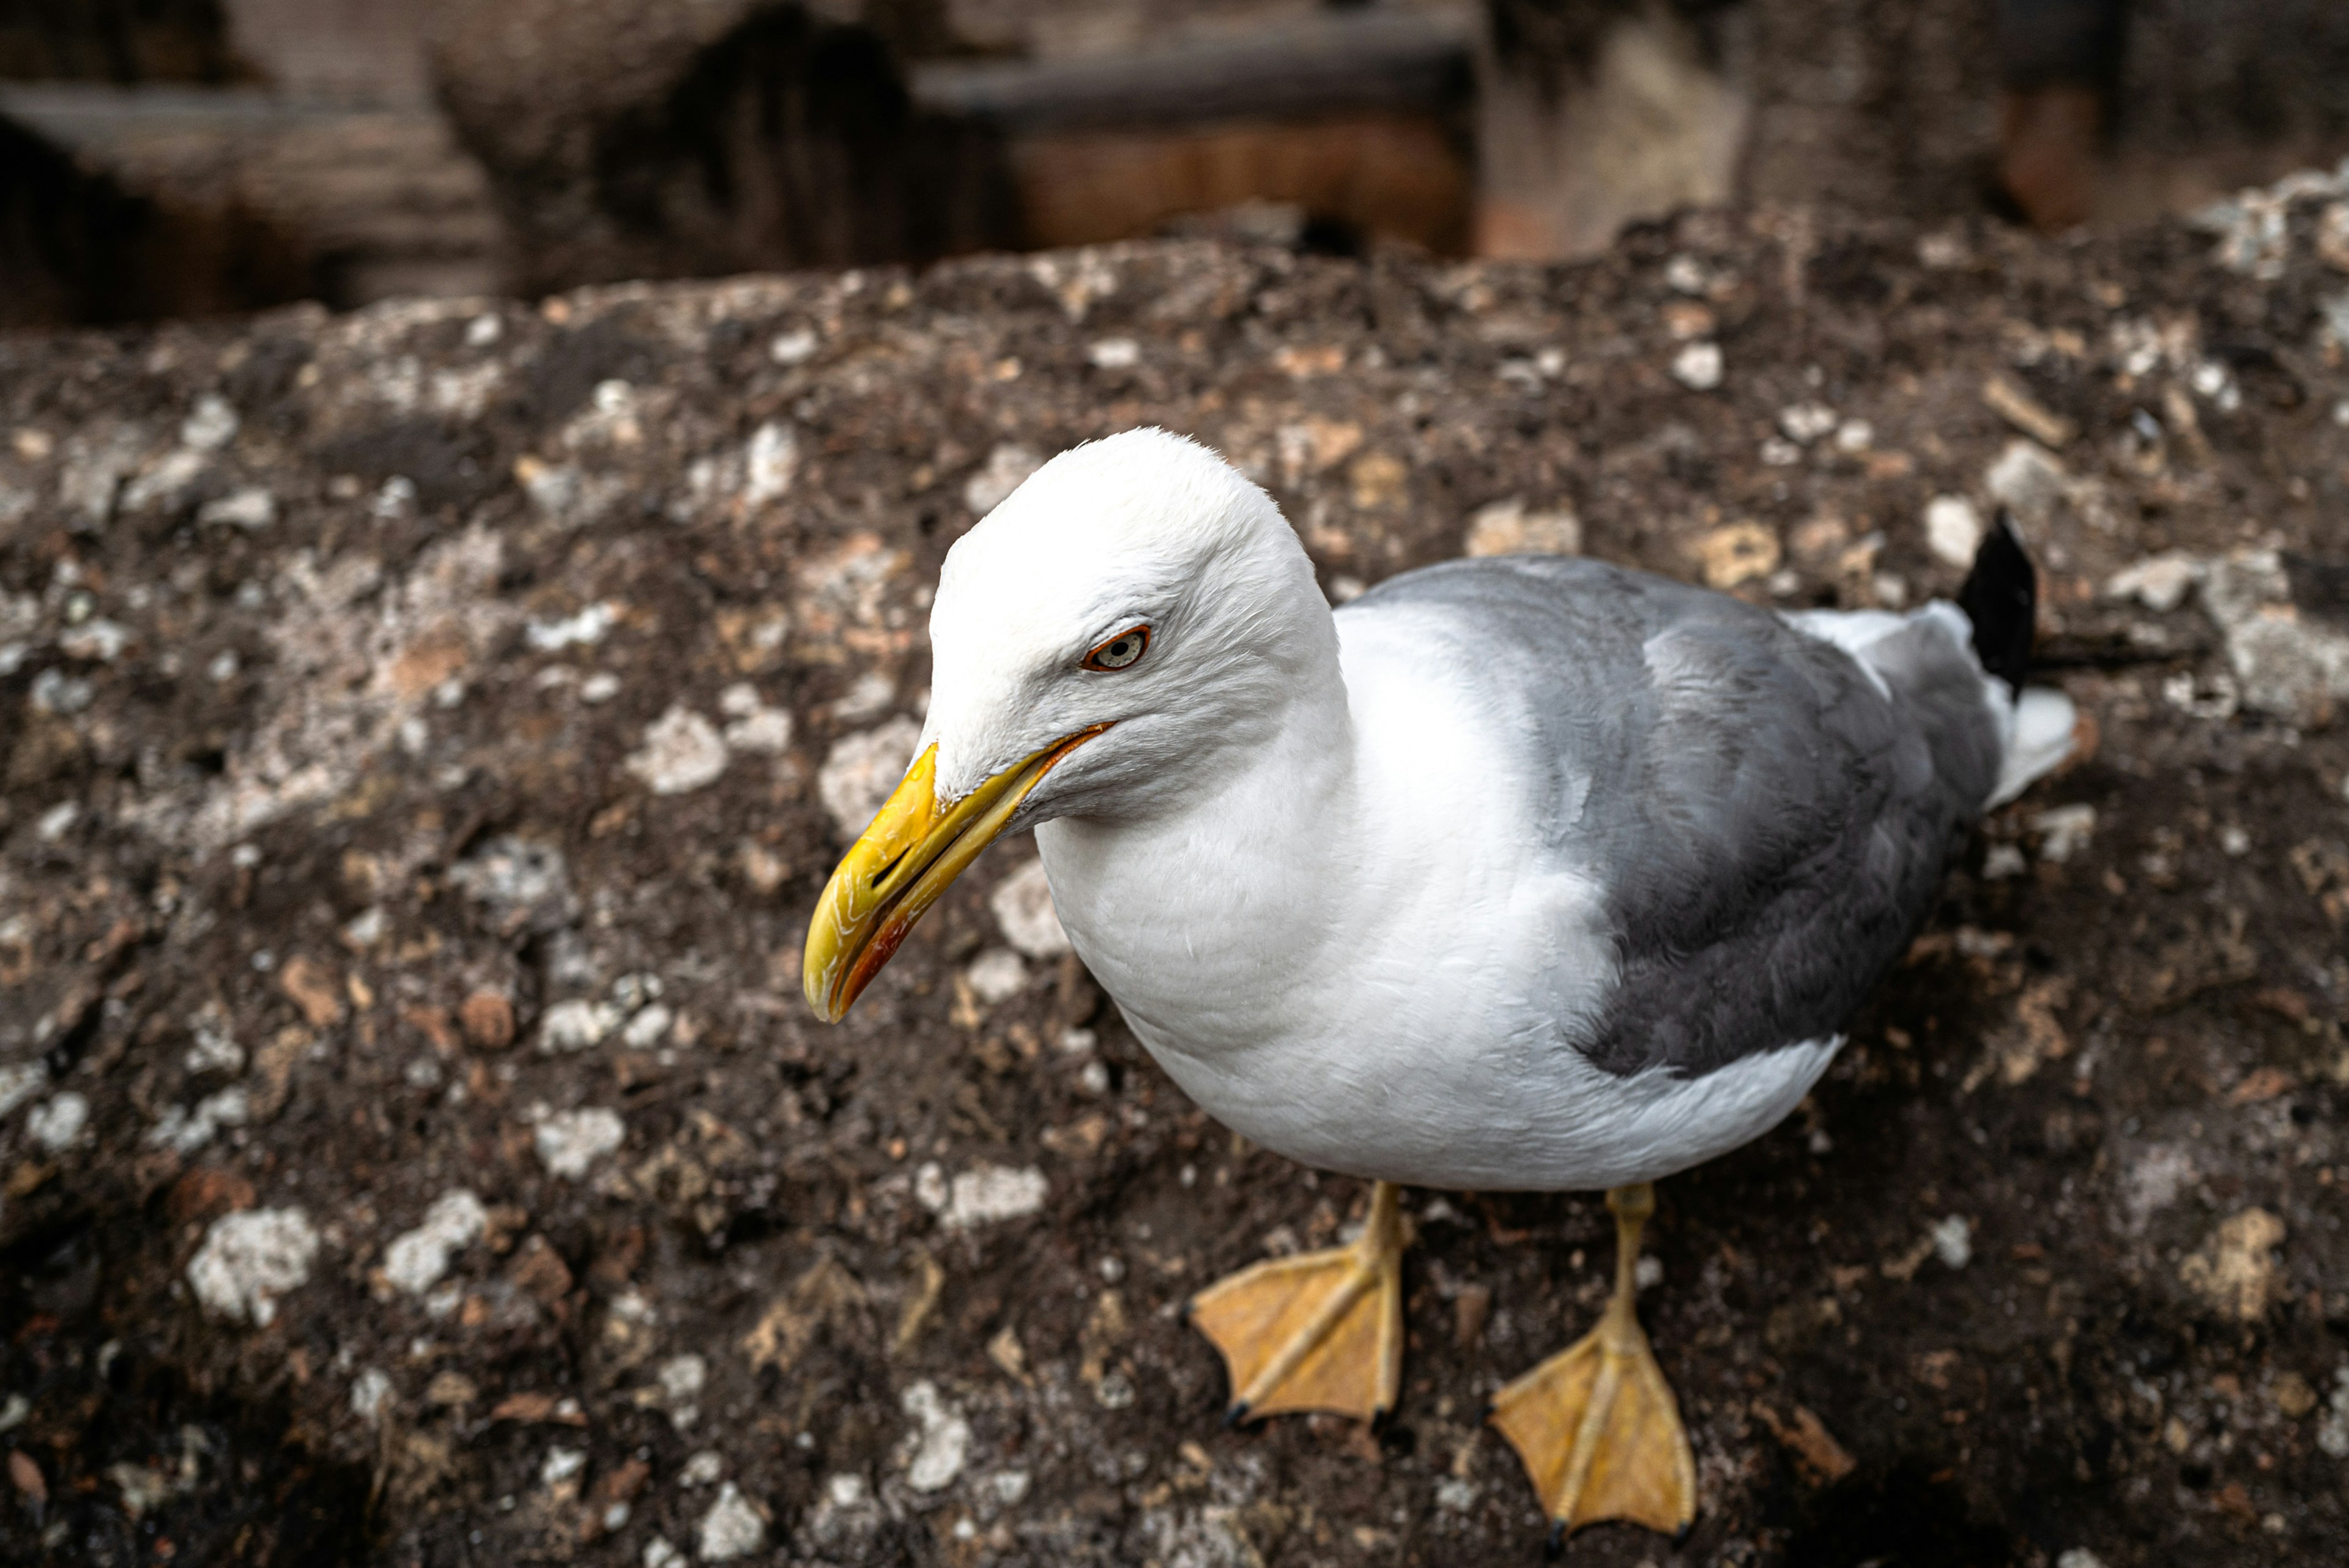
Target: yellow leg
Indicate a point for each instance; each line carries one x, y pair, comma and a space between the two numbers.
1322, 1331
1596, 1425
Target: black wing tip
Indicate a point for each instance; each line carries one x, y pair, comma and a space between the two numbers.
2000, 600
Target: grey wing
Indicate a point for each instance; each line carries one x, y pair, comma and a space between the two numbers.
1769, 826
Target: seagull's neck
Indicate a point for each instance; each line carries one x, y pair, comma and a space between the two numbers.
1201, 909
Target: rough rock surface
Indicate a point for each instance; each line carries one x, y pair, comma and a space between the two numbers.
376, 827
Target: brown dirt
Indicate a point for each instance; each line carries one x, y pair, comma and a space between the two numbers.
347, 834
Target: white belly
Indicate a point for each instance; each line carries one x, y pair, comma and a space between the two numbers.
1571, 1128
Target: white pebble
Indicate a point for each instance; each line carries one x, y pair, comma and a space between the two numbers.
990, 1194
997, 975
250, 1259
769, 464
58, 1121
2158, 582
941, 1445
1698, 367
644, 1030
2063, 831
570, 1141
1803, 423
576, 1025
1953, 529
251, 507
1022, 904
857, 777
1953, 1242
417, 1259
586, 629
370, 1392
682, 751
731, 1528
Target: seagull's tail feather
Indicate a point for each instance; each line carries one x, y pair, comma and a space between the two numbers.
2000, 600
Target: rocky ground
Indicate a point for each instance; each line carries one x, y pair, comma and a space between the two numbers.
425, 731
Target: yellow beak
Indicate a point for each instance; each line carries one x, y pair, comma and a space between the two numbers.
891, 876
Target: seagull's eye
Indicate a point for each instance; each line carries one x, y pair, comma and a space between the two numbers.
1120, 651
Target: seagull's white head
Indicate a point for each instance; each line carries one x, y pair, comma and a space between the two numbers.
1129, 620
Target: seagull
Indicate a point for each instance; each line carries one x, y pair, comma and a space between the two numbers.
1525, 873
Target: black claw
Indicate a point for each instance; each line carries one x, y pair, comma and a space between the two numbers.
1486, 1412
1554, 1546
1680, 1536
1184, 1317
1236, 1415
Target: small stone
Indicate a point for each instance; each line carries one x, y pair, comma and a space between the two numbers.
2027, 479
1508, 528
752, 725
585, 630
997, 975
869, 696
58, 1121
1803, 423
1953, 1242
2236, 1271
769, 464
370, 1391
210, 425
576, 1025
682, 1377
562, 1465
702, 1470
1113, 353
861, 771
488, 1020
941, 1445
1698, 367
1006, 469
1737, 553
1954, 530
249, 1259
569, 1142
731, 1528
2079, 1557
645, 1029
659, 1553
2293, 1396
990, 1194
2063, 831
417, 1259
1022, 906
2003, 861
100, 641
796, 346
2160, 583
682, 752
